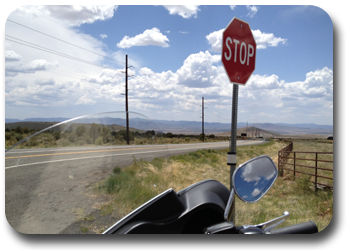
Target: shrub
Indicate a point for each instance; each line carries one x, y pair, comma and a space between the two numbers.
18, 130
117, 170
99, 141
56, 135
26, 130
169, 135
8, 136
89, 140
18, 137
80, 131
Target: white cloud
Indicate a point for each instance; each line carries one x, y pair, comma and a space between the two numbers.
11, 56
15, 68
267, 39
264, 82
103, 36
148, 37
215, 40
252, 10
233, 7
196, 70
256, 192
84, 100
72, 15
263, 40
186, 11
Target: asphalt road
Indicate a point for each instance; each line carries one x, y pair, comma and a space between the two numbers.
45, 189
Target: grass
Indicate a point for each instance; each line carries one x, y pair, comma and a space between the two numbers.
132, 186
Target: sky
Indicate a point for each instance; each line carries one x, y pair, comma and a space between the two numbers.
68, 61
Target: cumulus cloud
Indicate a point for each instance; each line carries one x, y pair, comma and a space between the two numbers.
13, 69
197, 70
84, 100
264, 82
263, 40
11, 56
186, 11
72, 15
103, 36
148, 37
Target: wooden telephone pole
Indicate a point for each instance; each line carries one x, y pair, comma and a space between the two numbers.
203, 119
126, 99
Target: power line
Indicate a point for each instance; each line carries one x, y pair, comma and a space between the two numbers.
217, 113
38, 47
64, 41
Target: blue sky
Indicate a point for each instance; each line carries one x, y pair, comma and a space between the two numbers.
175, 52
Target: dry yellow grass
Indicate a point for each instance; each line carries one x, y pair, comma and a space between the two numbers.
178, 172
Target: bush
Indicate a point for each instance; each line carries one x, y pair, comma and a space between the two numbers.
7, 136
89, 140
117, 170
18, 130
26, 130
56, 135
99, 141
80, 131
169, 135
18, 137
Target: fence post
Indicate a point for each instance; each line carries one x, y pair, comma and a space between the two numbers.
294, 165
316, 174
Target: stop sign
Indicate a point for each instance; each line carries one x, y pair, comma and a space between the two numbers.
238, 51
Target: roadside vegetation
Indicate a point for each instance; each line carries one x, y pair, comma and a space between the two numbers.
95, 134
131, 186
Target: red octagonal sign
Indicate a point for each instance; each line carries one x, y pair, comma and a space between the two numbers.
238, 51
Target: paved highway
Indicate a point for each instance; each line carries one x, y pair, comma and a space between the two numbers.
42, 184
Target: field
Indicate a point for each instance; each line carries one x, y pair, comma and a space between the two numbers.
132, 186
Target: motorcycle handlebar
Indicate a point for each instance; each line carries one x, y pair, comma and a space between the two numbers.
302, 228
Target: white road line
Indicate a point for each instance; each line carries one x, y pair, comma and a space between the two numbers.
82, 158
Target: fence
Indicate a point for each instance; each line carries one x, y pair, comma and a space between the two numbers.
284, 155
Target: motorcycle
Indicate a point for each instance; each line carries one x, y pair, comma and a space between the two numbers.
52, 177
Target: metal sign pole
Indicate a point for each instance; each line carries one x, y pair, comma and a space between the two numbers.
232, 155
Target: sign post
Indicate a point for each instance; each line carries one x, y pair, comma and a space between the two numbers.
238, 57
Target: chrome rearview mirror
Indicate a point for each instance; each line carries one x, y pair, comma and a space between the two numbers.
252, 179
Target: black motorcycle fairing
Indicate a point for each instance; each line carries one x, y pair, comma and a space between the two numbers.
164, 207
188, 211
206, 191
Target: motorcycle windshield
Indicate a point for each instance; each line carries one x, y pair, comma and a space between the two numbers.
84, 174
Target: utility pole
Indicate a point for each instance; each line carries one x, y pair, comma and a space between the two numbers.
203, 119
126, 99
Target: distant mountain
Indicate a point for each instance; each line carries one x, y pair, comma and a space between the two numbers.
12, 120
56, 119
307, 125
194, 127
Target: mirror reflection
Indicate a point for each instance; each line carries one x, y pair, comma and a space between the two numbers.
254, 178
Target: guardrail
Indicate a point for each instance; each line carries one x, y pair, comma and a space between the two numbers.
284, 155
